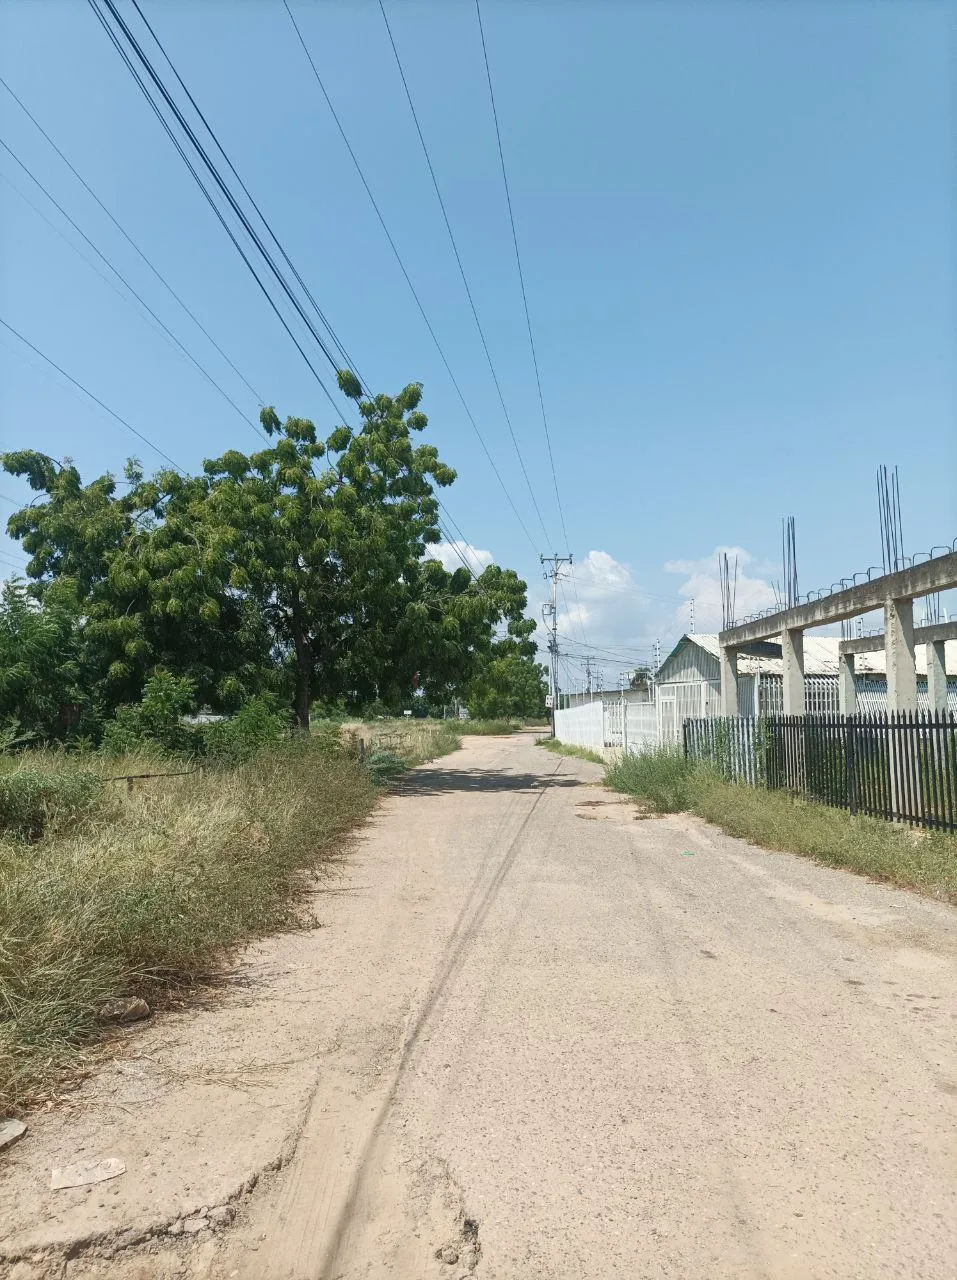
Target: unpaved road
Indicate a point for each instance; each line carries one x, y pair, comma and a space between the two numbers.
616, 1047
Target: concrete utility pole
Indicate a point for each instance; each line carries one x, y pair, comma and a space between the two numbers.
588, 675
550, 615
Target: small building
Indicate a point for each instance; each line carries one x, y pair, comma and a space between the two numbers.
688, 683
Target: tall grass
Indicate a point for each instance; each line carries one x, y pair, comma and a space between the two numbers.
152, 889
567, 749
663, 779
922, 860
411, 742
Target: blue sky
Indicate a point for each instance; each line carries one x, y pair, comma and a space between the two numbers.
737, 224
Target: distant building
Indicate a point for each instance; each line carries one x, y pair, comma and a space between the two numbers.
689, 682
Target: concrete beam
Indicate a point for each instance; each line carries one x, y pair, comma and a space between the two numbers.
899, 648
728, 662
922, 635
939, 574
861, 644
846, 685
792, 651
936, 676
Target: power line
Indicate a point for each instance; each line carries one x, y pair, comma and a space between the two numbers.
119, 275
230, 198
349, 362
96, 400
219, 181
129, 239
212, 202
408, 280
521, 274
458, 259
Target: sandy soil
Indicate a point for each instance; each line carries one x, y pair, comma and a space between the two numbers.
538, 1037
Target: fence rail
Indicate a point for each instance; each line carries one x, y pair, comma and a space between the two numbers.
902, 768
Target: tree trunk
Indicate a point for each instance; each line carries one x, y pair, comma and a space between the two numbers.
303, 703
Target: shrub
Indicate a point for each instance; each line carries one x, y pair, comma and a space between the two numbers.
385, 765
258, 724
36, 802
155, 722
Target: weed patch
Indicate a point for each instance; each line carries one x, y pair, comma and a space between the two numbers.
154, 893
36, 801
567, 749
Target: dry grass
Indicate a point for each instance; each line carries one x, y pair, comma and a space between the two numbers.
925, 861
412, 741
148, 891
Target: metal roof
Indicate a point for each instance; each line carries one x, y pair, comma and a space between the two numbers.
820, 657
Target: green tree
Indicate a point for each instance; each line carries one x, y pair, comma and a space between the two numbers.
129, 563
40, 668
300, 569
324, 536
508, 682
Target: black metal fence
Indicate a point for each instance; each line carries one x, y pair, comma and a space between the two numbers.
902, 768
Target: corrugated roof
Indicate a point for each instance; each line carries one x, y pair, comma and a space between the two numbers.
821, 657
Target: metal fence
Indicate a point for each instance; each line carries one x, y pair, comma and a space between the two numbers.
902, 768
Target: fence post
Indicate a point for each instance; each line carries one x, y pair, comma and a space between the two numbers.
624, 724
850, 761
684, 738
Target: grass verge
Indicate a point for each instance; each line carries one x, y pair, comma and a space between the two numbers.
566, 749
149, 891
490, 728
925, 861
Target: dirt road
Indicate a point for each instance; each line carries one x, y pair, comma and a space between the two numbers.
556, 1041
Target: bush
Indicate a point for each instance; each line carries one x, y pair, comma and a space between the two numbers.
383, 766
258, 724
155, 722
35, 802
663, 778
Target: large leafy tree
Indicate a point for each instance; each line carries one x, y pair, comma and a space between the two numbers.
324, 536
507, 681
302, 567
131, 574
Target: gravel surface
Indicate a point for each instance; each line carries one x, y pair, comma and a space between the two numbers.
554, 1039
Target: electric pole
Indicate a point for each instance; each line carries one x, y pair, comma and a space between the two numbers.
550, 616
588, 674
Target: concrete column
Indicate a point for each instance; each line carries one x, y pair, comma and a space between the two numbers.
792, 651
846, 687
899, 652
729, 681
936, 676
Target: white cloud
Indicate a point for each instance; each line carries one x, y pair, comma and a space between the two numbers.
702, 582
451, 554
608, 607
601, 603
